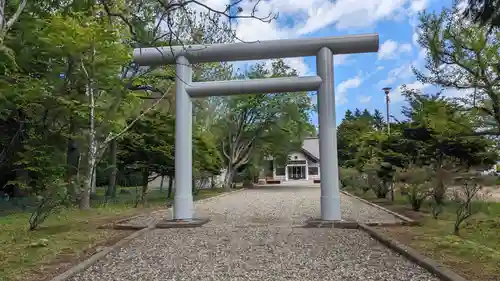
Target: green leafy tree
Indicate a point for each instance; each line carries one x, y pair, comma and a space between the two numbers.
463, 56
255, 124
485, 12
148, 148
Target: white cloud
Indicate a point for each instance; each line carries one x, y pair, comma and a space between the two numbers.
456, 93
299, 17
347, 13
396, 95
390, 49
387, 49
365, 99
414, 38
341, 59
397, 74
344, 86
299, 65
312, 15
418, 5
405, 48
296, 63
380, 68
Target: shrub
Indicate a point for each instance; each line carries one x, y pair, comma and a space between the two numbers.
468, 192
50, 201
380, 177
417, 184
353, 179
442, 178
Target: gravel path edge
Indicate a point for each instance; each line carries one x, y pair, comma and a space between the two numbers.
121, 224
96, 257
406, 220
430, 265
101, 254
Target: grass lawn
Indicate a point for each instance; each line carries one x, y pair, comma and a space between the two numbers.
72, 235
475, 254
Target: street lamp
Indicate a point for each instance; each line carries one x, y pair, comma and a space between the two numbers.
386, 91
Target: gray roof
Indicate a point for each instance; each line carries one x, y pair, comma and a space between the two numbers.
311, 147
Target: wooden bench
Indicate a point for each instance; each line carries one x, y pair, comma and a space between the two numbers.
273, 181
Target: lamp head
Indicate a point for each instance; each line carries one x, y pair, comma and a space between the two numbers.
386, 89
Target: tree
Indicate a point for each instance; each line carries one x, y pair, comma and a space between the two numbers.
68, 89
357, 112
348, 115
378, 120
251, 123
6, 24
464, 197
148, 147
463, 56
351, 133
484, 12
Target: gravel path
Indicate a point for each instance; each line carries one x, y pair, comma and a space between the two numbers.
276, 204
252, 236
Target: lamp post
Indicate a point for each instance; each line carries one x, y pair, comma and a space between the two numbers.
386, 91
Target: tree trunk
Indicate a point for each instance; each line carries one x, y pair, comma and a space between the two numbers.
228, 179
212, 182
170, 186
145, 182
111, 192
93, 189
72, 163
91, 157
456, 229
193, 184
161, 182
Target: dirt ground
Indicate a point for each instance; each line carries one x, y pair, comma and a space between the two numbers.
493, 193
489, 193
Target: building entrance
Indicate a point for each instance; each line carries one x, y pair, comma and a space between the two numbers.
296, 172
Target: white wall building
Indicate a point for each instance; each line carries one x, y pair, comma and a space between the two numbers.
301, 165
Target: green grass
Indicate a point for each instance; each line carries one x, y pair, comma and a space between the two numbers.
68, 235
475, 254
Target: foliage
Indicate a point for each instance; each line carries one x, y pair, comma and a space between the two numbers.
442, 178
417, 182
352, 179
463, 56
50, 201
470, 186
372, 169
485, 12
255, 126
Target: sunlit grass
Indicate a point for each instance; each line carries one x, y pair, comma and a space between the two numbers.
68, 233
475, 254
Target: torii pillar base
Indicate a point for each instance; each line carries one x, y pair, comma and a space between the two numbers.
182, 223
319, 223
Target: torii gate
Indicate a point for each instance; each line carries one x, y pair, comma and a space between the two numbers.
323, 48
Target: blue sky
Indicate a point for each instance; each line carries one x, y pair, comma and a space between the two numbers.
359, 78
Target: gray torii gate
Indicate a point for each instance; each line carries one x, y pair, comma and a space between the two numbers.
323, 48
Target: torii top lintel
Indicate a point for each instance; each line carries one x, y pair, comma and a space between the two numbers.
284, 48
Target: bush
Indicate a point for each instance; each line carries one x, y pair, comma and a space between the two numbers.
470, 185
442, 178
417, 183
380, 177
50, 201
348, 177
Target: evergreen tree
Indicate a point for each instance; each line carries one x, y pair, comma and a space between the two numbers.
378, 120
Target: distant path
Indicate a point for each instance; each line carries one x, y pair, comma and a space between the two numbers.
253, 235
